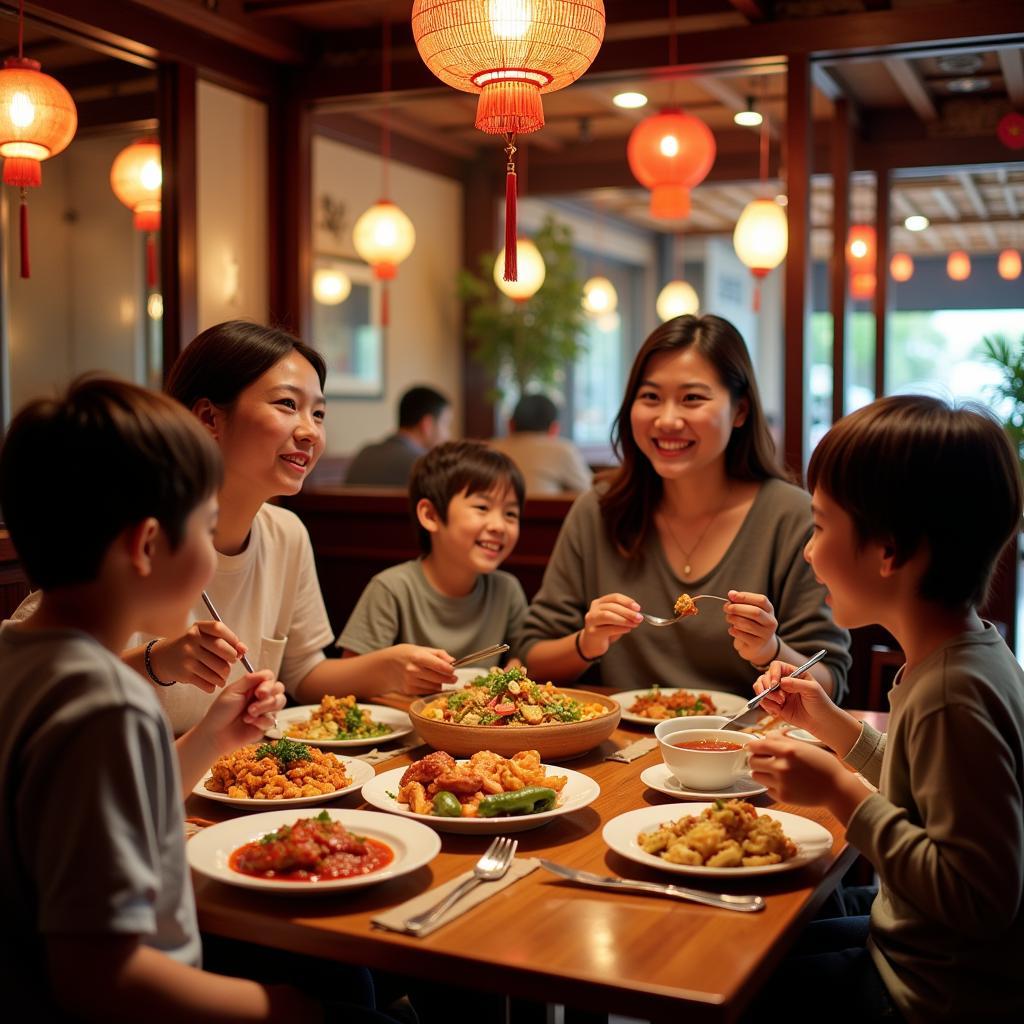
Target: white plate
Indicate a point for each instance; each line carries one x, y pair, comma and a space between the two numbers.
465, 676
358, 771
812, 840
210, 850
578, 791
726, 703
660, 778
804, 735
398, 720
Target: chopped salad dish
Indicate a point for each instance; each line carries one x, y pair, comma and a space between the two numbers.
510, 698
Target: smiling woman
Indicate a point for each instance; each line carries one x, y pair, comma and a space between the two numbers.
698, 502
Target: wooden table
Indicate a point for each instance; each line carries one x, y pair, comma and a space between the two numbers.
549, 940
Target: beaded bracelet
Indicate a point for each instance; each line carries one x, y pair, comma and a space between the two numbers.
149, 664
768, 664
579, 650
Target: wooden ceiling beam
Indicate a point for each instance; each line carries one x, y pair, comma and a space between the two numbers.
972, 193
1008, 194
944, 203
745, 47
1012, 64
913, 88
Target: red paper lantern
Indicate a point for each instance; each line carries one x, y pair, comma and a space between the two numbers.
1009, 265
958, 265
509, 52
670, 153
1010, 130
862, 284
37, 120
136, 177
861, 248
901, 267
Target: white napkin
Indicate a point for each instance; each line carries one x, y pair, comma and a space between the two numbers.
395, 918
633, 750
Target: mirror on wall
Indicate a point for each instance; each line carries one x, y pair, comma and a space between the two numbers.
93, 299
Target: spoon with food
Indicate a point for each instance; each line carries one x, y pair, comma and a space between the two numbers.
683, 609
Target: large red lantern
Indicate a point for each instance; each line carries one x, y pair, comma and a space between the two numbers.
862, 284
37, 120
670, 153
136, 177
861, 247
509, 52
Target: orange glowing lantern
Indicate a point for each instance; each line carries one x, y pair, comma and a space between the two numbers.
861, 248
136, 177
1009, 265
901, 267
862, 284
510, 52
37, 120
670, 153
958, 265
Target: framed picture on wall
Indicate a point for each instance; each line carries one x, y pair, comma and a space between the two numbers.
347, 328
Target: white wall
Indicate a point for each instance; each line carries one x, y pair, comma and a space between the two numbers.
423, 342
81, 308
231, 206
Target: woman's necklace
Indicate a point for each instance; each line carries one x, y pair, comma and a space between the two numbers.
688, 555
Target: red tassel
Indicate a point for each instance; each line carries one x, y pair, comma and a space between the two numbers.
26, 269
150, 261
511, 264
385, 308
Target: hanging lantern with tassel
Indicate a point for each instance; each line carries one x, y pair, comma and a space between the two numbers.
1009, 265
37, 120
958, 265
510, 52
136, 177
901, 267
670, 153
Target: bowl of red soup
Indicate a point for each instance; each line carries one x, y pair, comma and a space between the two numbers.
709, 759
288, 852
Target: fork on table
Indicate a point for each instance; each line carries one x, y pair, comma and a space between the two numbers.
496, 860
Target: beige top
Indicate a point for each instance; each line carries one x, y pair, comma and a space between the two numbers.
550, 465
946, 833
269, 596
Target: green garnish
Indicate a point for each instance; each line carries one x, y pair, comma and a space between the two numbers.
324, 817
284, 751
569, 712
394, 796
456, 700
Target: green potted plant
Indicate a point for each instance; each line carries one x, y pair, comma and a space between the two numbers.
1009, 357
532, 340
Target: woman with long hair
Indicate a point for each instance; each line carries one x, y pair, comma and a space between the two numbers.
699, 504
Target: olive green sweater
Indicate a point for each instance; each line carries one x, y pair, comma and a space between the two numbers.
945, 833
766, 557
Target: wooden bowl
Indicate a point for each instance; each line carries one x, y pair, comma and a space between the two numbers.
553, 742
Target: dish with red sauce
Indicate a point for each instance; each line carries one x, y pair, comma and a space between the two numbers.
311, 850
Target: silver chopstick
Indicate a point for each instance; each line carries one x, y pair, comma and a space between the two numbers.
216, 615
487, 652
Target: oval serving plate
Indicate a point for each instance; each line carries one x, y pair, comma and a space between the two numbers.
725, 703
812, 841
382, 792
209, 851
398, 720
358, 771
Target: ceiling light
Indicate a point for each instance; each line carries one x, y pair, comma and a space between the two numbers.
748, 118
629, 100
968, 84
916, 222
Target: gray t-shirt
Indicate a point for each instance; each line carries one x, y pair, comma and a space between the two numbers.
91, 832
945, 832
766, 557
386, 463
399, 606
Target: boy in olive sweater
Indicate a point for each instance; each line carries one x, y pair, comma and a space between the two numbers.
913, 501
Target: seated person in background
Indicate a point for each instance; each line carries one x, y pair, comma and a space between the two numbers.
550, 464
467, 501
424, 420
100, 918
913, 502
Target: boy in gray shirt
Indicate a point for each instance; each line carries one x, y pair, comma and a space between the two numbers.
467, 501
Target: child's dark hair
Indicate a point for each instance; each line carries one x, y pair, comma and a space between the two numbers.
456, 467
225, 359
912, 470
76, 471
